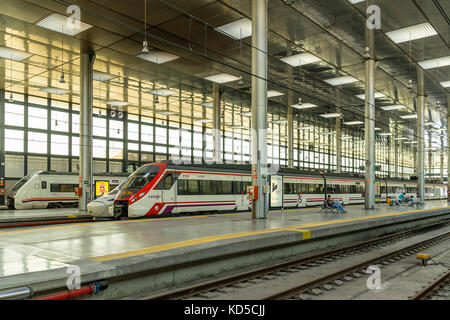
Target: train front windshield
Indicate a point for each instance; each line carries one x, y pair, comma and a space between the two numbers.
138, 180
20, 183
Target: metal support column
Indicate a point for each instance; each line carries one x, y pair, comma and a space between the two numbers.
259, 107
290, 114
217, 97
2, 148
370, 121
441, 162
448, 147
420, 135
86, 183
396, 150
338, 134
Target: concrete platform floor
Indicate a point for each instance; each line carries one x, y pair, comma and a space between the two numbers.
7, 215
47, 248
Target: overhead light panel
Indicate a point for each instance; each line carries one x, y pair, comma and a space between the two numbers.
339, 81
279, 121
54, 90
304, 106
102, 76
207, 104
246, 114
411, 142
273, 93
385, 134
435, 63
239, 29
352, 123
356, 1
117, 103
331, 115
401, 138
157, 56
222, 78
419, 31
58, 22
445, 84
162, 92
409, 116
301, 59
378, 95
305, 128
429, 123
166, 113
13, 54
393, 107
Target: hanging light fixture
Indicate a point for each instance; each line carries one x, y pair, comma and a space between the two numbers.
61, 79
145, 44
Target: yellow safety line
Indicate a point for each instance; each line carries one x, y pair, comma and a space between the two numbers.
180, 244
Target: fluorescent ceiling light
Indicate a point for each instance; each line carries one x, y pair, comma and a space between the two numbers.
410, 142
385, 134
411, 33
13, 54
157, 56
445, 84
355, 1
162, 92
440, 129
237, 127
239, 29
54, 90
301, 59
273, 93
306, 141
393, 107
341, 80
102, 76
429, 123
401, 138
330, 115
378, 95
207, 104
58, 22
279, 121
377, 129
409, 116
346, 138
117, 103
352, 123
222, 78
304, 106
435, 63
204, 120
246, 114
166, 113
305, 128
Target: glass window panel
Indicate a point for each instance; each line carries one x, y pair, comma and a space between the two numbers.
76, 146
99, 148
99, 127
147, 133
115, 150
37, 142
160, 135
146, 148
14, 140
75, 123
59, 145
60, 121
160, 149
14, 114
37, 118
133, 146
116, 129
133, 131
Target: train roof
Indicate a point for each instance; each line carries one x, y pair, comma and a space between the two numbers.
120, 174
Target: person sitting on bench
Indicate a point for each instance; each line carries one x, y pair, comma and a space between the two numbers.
333, 204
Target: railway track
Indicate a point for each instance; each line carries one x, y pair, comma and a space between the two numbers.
439, 288
311, 285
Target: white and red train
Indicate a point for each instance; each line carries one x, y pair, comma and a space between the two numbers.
164, 189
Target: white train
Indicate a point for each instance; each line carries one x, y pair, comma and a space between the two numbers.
165, 189
50, 189
98, 208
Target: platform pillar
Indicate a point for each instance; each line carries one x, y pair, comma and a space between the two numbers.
420, 135
290, 112
338, 134
86, 182
370, 121
259, 107
217, 132
448, 147
2, 148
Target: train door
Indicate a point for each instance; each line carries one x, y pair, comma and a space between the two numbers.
38, 192
241, 195
167, 187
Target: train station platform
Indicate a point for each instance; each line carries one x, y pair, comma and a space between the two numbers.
10, 218
151, 254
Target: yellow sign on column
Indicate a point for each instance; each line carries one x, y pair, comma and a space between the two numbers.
101, 188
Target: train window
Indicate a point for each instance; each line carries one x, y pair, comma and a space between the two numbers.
168, 182
224, 187
43, 184
207, 187
62, 187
